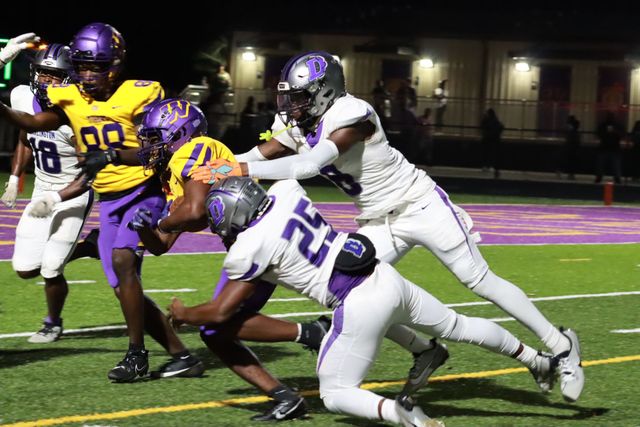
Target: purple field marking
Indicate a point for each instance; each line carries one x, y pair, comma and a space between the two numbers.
498, 224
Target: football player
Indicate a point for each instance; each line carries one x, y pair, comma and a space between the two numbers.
102, 113
280, 236
333, 133
174, 143
44, 245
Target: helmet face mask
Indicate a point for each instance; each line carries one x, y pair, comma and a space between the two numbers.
97, 53
309, 84
232, 204
49, 66
165, 128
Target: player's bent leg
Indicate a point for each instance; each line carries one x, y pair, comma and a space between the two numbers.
56, 291
514, 302
288, 404
182, 362
28, 274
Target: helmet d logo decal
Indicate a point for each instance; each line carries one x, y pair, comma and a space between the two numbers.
317, 66
216, 207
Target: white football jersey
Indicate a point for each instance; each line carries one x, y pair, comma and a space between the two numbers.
54, 152
289, 244
377, 176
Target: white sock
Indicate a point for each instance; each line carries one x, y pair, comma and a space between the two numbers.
361, 403
514, 302
408, 339
556, 341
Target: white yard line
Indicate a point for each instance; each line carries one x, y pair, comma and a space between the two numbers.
72, 282
626, 331
319, 313
167, 291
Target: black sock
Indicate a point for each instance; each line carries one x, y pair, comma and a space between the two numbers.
282, 393
138, 348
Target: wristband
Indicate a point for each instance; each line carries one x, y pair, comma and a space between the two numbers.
14, 179
56, 196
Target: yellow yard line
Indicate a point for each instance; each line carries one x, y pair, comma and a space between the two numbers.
260, 399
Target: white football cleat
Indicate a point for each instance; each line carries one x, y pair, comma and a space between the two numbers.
49, 333
570, 368
545, 371
412, 416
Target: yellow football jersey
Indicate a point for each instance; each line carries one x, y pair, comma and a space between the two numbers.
99, 125
191, 155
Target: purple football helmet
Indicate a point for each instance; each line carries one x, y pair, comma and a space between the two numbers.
166, 127
53, 61
100, 48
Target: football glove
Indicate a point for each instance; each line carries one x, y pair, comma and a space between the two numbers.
215, 170
142, 218
95, 161
15, 46
10, 193
43, 206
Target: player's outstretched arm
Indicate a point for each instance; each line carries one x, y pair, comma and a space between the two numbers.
22, 156
46, 120
217, 311
15, 46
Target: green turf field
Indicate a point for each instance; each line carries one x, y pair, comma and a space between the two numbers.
65, 383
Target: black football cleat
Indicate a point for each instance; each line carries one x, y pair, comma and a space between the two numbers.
284, 410
135, 364
186, 366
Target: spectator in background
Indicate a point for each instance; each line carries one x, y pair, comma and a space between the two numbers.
634, 138
220, 85
406, 97
610, 133
425, 138
440, 95
571, 146
491, 128
381, 100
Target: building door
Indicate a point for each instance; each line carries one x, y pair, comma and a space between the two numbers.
613, 93
554, 96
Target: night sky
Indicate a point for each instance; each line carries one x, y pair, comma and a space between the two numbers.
163, 43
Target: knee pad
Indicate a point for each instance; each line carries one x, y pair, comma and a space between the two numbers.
332, 403
54, 258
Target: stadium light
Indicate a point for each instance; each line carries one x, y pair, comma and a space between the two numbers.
522, 65
249, 56
426, 63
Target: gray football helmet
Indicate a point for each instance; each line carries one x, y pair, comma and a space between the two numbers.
232, 203
54, 60
309, 84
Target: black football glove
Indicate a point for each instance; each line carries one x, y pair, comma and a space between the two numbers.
95, 161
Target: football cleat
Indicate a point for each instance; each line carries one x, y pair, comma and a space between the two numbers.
135, 364
47, 334
284, 410
424, 364
570, 368
545, 372
186, 366
412, 416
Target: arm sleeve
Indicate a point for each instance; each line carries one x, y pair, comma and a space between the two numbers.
299, 166
253, 155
